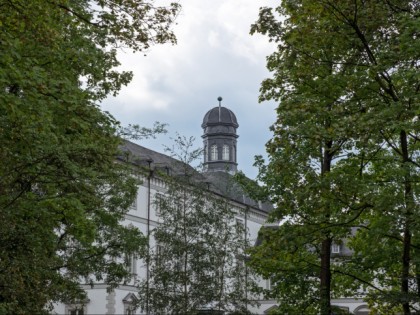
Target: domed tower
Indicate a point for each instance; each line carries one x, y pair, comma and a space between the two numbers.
219, 126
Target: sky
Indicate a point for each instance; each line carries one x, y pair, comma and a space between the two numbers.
215, 56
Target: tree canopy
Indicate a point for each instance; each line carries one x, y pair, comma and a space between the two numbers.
345, 150
62, 193
197, 252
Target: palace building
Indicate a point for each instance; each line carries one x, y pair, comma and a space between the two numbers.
220, 140
220, 164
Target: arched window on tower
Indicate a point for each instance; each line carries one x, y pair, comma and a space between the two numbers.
205, 153
225, 153
214, 156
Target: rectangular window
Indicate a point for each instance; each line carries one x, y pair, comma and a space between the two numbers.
130, 263
76, 311
240, 226
270, 284
158, 253
335, 249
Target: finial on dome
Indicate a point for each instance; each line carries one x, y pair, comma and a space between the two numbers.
220, 107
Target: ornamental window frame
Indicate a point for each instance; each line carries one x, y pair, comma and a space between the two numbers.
225, 153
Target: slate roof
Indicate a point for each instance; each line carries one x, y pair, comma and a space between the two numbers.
142, 156
224, 183
220, 182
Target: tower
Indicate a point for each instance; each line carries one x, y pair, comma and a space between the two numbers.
220, 139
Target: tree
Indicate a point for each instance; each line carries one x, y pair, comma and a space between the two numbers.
197, 261
348, 92
62, 194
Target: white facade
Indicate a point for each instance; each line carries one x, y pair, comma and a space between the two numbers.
143, 215
119, 301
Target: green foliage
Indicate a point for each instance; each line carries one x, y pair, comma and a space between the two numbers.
345, 151
62, 194
197, 260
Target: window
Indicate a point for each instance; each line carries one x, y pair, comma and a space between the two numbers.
75, 309
129, 304
130, 263
335, 249
225, 153
240, 228
270, 284
159, 250
158, 253
214, 155
240, 224
133, 206
206, 153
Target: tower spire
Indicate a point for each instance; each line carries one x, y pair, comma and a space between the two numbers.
220, 107
220, 139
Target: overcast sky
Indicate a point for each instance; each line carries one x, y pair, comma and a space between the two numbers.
215, 56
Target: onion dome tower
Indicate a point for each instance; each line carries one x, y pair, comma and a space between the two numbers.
220, 138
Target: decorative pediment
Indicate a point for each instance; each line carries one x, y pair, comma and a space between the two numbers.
130, 298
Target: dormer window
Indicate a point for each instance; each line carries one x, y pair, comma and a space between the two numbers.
214, 154
225, 153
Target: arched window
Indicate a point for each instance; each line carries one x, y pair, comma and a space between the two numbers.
225, 155
214, 156
206, 153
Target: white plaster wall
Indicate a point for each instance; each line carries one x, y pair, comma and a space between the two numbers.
137, 217
58, 308
253, 228
97, 301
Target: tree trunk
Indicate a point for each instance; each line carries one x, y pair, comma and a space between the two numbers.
325, 277
406, 269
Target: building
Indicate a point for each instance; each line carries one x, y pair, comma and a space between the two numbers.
220, 142
220, 163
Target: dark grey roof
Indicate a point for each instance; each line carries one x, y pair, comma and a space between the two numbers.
142, 156
220, 182
219, 116
224, 183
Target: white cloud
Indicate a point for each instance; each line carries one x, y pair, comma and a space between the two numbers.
213, 39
